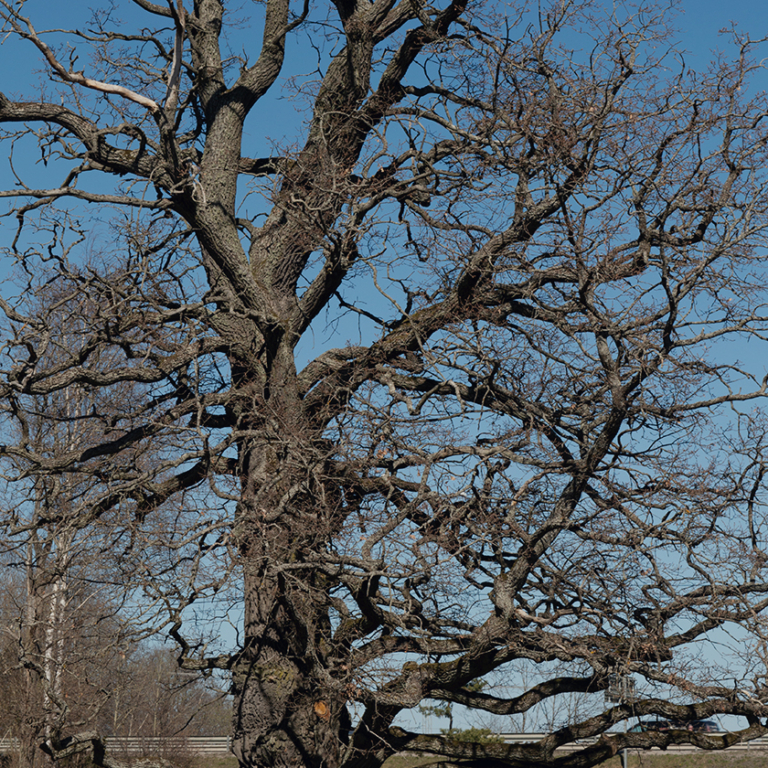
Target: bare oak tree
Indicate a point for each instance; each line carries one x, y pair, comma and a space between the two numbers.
541, 229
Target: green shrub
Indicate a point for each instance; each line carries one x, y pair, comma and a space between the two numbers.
472, 735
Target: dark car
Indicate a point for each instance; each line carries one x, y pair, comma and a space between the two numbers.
699, 726
705, 726
651, 725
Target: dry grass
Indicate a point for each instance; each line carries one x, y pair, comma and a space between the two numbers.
643, 760
409, 761
639, 760
694, 760
210, 761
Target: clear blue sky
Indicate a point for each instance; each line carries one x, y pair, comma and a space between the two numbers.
699, 22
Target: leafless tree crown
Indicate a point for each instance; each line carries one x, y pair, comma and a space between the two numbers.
435, 386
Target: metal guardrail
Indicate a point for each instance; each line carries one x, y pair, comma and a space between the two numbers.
199, 745
222, 745
756, 745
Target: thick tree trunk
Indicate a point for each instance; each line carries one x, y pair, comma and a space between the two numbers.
288, 712
283, 716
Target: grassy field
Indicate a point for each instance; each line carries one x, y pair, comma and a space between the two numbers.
696, 760
640, 760
216, 762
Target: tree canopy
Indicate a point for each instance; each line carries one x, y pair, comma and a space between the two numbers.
431, 377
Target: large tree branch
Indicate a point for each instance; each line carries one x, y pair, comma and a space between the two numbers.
23, 27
